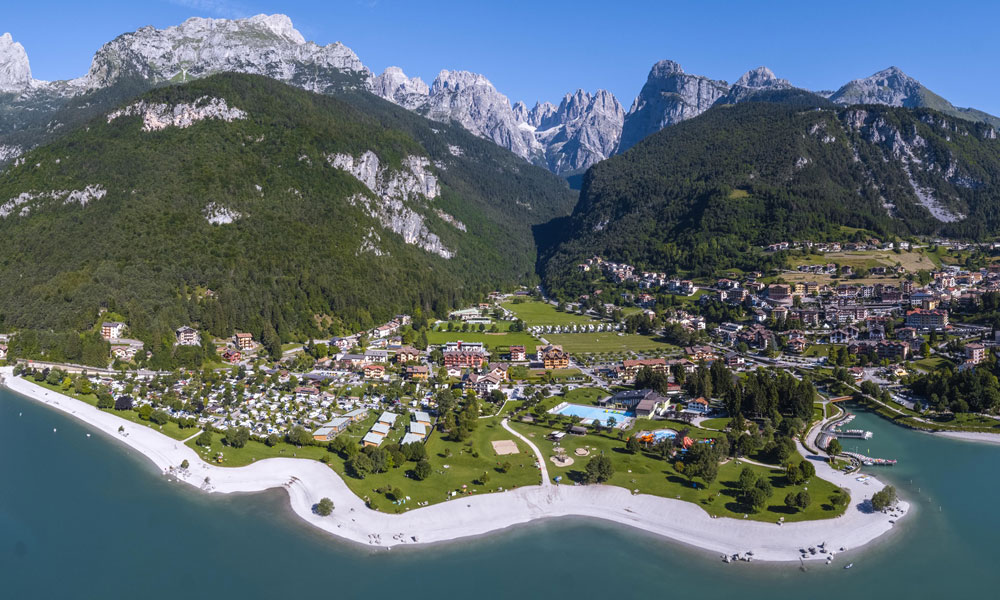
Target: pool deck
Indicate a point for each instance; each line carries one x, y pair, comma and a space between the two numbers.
590, 413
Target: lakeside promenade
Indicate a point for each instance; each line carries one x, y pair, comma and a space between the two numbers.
307, 481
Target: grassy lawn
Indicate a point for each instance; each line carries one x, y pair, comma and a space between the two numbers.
817, 350
963, 420
492, 340
455, 464
931, 363
170, 428
692, 298
541, 313
720, 423
588, 396
649, 474
537, 375
577, 343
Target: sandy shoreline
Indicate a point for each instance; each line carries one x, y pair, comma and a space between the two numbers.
969, 436
306, 481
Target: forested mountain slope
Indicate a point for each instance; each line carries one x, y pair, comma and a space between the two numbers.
300, 212
702, 194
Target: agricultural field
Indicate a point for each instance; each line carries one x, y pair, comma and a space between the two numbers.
492, 340
534, 312
609, 341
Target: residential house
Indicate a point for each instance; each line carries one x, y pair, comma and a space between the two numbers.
372, 439
700, 353
418, 429
123, 352
388, 418
188, 336
552, 357
410, 438
975, 353
418, 372
464, 354
112, 330
499, 371
698, 405
377, 356
796, 344
927, 320
232, 356
518, 354
306, 393
358, 414
481, 384
374, 371
779, 292
894, 350
408, 354
244, 341
632, 367
330, 430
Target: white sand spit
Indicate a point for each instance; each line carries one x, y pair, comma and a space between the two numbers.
307, 481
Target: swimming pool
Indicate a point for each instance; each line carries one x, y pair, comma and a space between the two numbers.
595, 413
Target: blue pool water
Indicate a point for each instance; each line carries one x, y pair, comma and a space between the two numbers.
594, 413
664, 434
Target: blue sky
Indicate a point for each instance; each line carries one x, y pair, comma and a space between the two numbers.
541, 50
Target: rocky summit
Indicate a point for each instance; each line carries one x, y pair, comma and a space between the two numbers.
669, 96
15, 72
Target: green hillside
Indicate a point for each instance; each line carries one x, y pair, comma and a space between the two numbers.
706, 193
302, 256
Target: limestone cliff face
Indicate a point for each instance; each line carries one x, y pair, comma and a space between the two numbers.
397, 194
160, 116
395, 86
583, 130
15, 72
669, 96
753, 82
263, 45
891, 87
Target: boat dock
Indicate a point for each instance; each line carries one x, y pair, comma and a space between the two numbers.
869, 461
860, 434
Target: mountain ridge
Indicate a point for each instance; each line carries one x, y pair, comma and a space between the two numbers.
270, 45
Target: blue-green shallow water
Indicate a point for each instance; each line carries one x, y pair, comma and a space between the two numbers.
87, 518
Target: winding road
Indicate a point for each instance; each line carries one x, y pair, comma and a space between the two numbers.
538, 453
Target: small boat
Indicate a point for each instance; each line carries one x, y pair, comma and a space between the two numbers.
848, 565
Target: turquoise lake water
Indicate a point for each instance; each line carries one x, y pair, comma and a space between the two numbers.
88, 518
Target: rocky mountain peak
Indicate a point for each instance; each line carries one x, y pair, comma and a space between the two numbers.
669, 96
395, 86
761, 77
264, 45
889, 86
665, 68
279, 25
15, 72
470, 100
457, 81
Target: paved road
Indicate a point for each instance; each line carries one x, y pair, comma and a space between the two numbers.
538, 453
